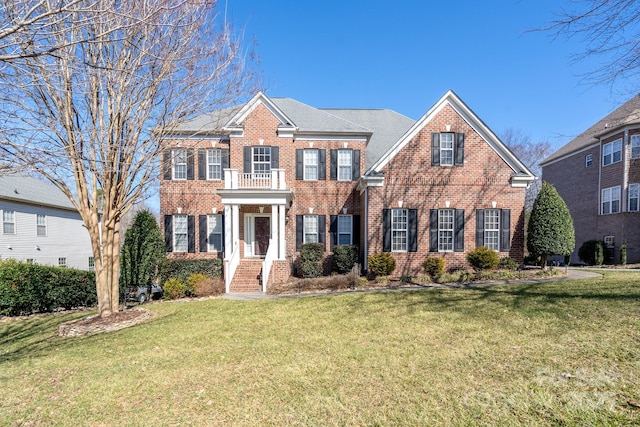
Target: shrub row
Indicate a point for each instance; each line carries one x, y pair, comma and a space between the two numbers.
181, 269
196, 285
32, 288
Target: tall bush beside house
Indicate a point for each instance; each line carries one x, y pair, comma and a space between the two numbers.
623, 254
433, 266
381, 264
344, 258
550, 230
483, 258
592, 252
311, 260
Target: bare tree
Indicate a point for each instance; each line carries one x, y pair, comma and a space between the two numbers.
531, 154
90, 115
611, 32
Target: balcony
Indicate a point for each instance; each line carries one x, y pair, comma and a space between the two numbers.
273, 180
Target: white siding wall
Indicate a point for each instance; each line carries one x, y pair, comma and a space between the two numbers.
66, 236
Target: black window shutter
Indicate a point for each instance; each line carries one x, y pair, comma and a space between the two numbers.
355, 237
459, 231
168, 232
355, 167
433, 230
413, 229
322, 230
333, 231
435, 149
505, 230
275, 157
333, 159
224, 160
202, 232
386, 230
190, 163
247, 160
299, 164
322, 165
299, 231
202, 163
191, 233
459, 155
479, 228
166, 164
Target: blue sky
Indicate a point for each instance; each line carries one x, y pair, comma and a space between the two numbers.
405, 55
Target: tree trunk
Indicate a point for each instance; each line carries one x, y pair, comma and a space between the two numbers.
107, 256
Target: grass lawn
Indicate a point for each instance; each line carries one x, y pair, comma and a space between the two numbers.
559, 353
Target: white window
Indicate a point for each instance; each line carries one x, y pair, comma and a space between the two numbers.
445, 230
344, 165
179, 163
588, 160
92, 263
446, 149
41, 225
62, 262
214, 230
310, 165
609, 241
611, 200
8, 222
262, 160
612, 152
399, 223
492, 229
635, 146
214, 163
345, 227
180, 229
310, 229
634, 197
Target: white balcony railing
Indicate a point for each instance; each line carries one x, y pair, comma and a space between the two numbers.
273, 180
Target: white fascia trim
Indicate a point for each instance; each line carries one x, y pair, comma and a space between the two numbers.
370, 181
571, 154
200, 135
260, 98
287, 132
617, 129
328, 137
521, 181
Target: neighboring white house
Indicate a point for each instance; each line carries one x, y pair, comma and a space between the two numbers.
39, 224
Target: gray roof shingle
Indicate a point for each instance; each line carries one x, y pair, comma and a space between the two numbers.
26, 189
310, 119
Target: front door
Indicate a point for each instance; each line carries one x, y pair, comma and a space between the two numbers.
262, 234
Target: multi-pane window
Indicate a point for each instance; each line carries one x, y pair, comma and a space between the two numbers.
8, 222
262, 160
92, 263
214, 163
41, 225
399, 223
634, 197
612, 152
635, 146
310, 229
445, 230
345, 227
344, 165
179, 163
180, 231
492, 229
214, 231
611, 200
62, 262
310, 164
588, 160
446, 149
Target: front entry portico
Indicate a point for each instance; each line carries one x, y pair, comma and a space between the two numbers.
257, 232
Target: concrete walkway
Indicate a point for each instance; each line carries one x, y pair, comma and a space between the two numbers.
572, 274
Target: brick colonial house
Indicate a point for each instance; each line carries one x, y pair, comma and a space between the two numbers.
598, 176
252, 184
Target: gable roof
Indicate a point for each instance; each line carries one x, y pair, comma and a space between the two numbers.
450, 98
26, 189
628, 113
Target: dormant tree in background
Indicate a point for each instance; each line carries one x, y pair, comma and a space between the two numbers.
87, 94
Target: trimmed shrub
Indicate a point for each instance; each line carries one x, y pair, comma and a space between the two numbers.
32, 288
174, 289
181, 269
592, 252
623, 254
433, 266
381, 264
483, 258
192, 282
311, 260
344, 258
508, 263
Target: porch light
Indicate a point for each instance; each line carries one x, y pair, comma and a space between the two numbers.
37, 248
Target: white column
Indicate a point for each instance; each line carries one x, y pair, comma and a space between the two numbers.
235, 213
274, 223
282, 244
228, 233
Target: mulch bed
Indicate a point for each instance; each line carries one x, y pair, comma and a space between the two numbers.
96, 324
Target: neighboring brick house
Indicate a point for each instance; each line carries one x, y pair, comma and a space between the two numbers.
252, 184
598, 176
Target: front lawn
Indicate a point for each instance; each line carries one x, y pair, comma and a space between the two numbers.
558, 353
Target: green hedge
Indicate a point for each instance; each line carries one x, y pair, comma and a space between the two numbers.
181, 269
32, 288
